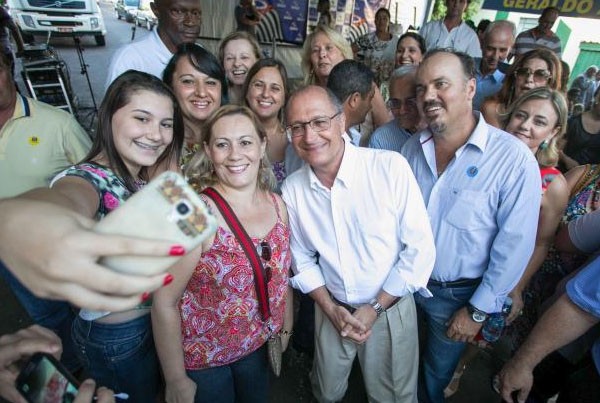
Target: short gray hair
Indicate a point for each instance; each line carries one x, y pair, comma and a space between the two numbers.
500, 24
402, 72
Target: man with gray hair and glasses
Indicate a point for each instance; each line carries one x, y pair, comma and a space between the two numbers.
403, 104
361, 261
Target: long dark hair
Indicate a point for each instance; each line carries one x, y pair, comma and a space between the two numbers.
117, 96
202, 60
418, 38
258, 66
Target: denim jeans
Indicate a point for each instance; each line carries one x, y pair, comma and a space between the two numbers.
441, 354
120, 356
57, 316
243, 381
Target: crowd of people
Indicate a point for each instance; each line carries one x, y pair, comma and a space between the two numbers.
395, 200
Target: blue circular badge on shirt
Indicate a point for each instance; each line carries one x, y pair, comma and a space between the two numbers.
472, 171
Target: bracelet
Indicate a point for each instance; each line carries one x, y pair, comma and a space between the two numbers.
286, 333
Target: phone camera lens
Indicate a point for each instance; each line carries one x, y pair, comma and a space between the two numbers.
183, 208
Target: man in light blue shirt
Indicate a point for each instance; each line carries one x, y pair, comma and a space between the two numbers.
403, 104
498, 40
482, 190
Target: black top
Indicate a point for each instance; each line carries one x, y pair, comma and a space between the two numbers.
582, 146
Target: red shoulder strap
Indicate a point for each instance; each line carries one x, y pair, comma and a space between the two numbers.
260, 281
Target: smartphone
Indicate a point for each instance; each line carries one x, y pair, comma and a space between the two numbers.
45, 380
168, 209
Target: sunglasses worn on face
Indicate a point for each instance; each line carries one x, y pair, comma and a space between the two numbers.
539, 75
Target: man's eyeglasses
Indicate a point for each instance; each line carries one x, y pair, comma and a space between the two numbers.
317, 124
180, 15
540, 75
395, 103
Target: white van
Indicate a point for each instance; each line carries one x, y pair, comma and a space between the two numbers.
59, 17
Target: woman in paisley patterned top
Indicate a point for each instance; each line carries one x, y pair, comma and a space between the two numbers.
139, 125
209, 333
265, 92
198, 81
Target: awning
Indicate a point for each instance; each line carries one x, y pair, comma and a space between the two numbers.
568, 8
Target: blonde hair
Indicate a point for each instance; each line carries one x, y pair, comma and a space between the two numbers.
200, 171
335, 37
546, 156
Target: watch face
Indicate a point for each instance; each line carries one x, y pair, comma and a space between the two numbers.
478, 316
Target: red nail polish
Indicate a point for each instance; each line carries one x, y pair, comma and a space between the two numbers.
177, 250
168, 279
145, 296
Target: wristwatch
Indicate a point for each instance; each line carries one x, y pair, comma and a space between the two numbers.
377, 306
476, 314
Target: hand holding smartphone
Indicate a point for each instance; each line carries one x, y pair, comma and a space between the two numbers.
45, 380
167, 209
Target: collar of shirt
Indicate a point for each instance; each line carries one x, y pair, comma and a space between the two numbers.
22, 108
345, 173
156, 38
354, 135
497, 76
477, 139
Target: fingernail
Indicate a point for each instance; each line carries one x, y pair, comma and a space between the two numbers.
168, 279
145, 296
89, 382
177, 250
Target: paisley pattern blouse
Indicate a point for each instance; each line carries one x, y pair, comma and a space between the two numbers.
221, 321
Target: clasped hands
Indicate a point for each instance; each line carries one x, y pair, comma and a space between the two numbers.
355, 327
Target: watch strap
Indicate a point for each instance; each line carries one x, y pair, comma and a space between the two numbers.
377, 306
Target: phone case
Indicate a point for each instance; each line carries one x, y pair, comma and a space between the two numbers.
44, 379
167, 208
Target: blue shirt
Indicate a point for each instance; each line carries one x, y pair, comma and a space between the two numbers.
354, 135
390, 136
486, 85
483, 209
583, 291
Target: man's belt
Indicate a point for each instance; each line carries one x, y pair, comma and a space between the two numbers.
461, 282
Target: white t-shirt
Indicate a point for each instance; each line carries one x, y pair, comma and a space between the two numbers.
462, 38
149, 55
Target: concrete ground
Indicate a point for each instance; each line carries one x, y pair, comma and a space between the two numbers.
293, 386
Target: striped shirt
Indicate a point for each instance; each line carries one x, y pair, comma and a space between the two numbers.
528, 40
390, 136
